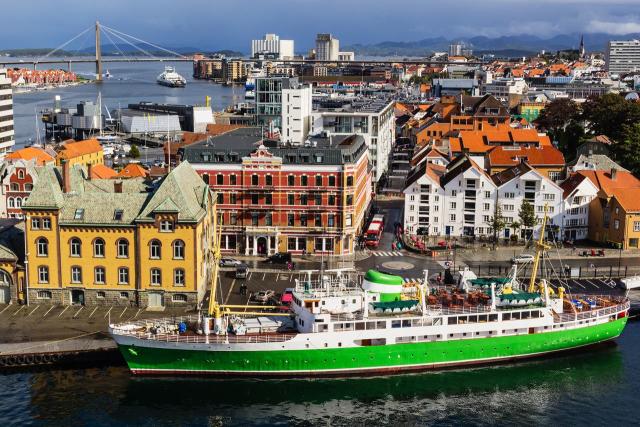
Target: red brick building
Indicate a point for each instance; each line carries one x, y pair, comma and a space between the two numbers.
279, 198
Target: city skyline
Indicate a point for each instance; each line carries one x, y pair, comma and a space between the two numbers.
206, 25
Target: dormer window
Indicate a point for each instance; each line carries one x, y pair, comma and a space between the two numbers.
20, 174
166, 226
117, 214
79, 214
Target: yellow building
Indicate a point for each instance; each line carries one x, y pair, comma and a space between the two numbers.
12, 273
87, 152
117, 242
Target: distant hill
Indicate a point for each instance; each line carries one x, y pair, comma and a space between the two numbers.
519, 45
117, 50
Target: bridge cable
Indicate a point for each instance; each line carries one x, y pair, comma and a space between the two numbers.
64, 44
146, 42
115, 45
132, 45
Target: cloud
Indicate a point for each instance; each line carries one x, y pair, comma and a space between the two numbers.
614, 27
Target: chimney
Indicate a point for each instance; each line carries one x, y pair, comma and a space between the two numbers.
89, 172
66, 176
117, 186
614, 172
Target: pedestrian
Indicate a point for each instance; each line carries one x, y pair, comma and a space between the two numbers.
573, 249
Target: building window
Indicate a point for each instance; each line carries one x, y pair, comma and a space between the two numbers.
318, 198
155, 249
348, 220
636, 225
15, 186
232, 180
46, 223
75, 247
616, 224
123, 276
156, 277
118, 214
290, 220
123, 248
43, 274
254, 179
18, 202
303, 220
20, 174
349, 200
99, 275
179, 298
178, 249
291, 180
42, 247
290, 199
318, 180
166, 226
331, 220
303, 180
76, 274
268, 180
78, 214
233, 218
205, 178
254, 219
98, 248
178, 277
220, 198
331, 200
268, 199
11, 203
268, 220
452, 217
255, 199
44, 295
219, 179
349, 181
101, 295
318, 220
35, 223
233, 198
124, 295
332, 181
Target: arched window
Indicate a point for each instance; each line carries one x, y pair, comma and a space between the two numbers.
156, 277
20, 174
75, 247
18, 202
178, 249
42, 247
178, 277
155, 249
11, 203
15, 186
5, 278
123, 248
98, 248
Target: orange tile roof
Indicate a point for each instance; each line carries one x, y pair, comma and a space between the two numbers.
70, 149
629, 198
133, 170
536, 72
216, 129
29, 153
545, 155
602, 180
100, 171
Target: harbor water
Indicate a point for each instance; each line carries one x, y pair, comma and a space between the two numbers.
129, 83
595, 387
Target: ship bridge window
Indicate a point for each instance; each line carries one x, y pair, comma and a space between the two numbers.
506, 316
473, 319
515, 316
493, 318
360, 326
482, 318
381, 324
395, 324
535, 314
526, 314
406, 323
453, 320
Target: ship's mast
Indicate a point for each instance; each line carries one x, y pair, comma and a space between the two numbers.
214, 257
540, 248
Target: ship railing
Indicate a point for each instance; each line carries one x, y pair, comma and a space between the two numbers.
440, 310
213, 339
591, 314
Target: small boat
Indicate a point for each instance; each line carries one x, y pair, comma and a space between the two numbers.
632, 282
170, 78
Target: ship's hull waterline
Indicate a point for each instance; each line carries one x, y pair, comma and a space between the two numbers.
171, 358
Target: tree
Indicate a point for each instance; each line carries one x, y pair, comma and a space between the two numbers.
607, 114
627, 150
134, 153
527, 215
557, 115
497, 223
516, 226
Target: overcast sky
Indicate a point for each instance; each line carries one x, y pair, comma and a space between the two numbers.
214, 24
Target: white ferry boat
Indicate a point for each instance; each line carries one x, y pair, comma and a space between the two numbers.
170, 78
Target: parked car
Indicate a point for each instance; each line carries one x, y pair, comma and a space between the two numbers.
279, 258
522, 258
229, 262
242, 271
263, 296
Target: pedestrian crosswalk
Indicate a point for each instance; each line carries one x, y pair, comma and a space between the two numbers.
413, 279
386, 253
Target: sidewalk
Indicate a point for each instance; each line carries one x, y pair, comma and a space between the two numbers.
506, 253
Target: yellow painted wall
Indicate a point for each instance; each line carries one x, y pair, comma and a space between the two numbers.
34, 260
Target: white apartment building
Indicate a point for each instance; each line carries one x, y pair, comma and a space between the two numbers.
460, 200
7, 134
373, 119
346, 56
523, 182
623, 56
327, 47
272, 46
297, 103
579, 191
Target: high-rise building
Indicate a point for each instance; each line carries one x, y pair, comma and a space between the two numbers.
272, 47
623, 56
455, 49
327, 47
7, 138
297, 104
269, 102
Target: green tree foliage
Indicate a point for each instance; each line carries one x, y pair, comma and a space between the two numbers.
134, 153
561, 118
609, 113
497, 223
527, 215
627, 149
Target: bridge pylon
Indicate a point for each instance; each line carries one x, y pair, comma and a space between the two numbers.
98, 54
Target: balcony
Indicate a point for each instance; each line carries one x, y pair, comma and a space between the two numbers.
470, 194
